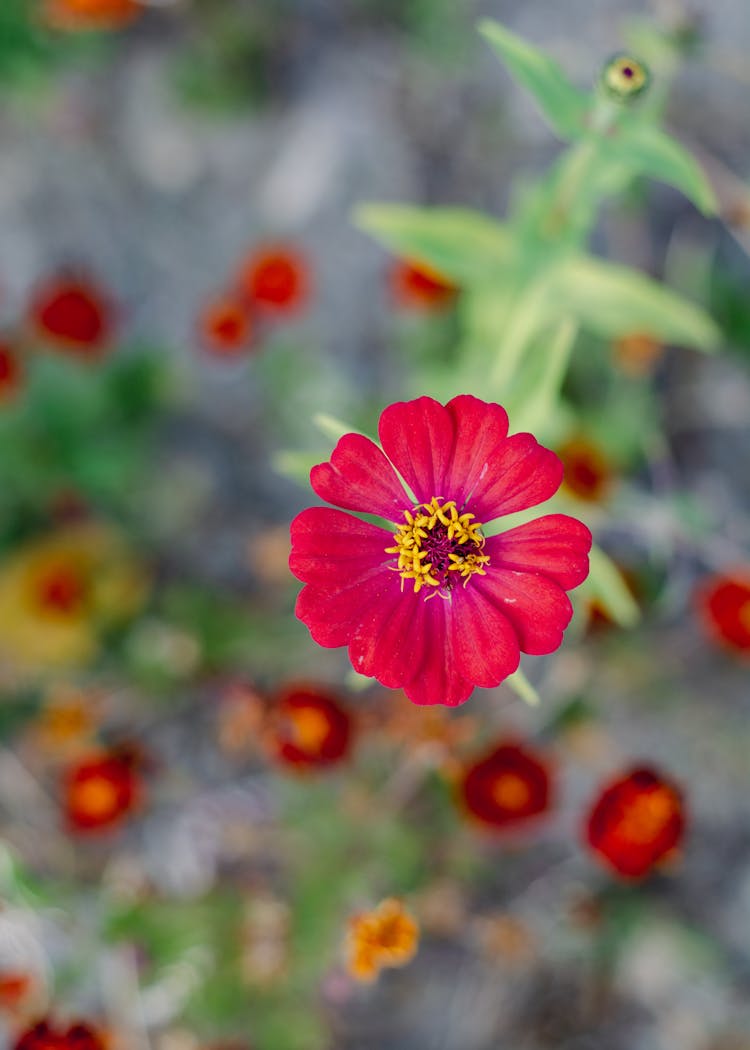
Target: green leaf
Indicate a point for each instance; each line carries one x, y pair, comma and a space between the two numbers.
606, 585
646, 150
333, 428
564, 106
522, 687
460, 244
614, 300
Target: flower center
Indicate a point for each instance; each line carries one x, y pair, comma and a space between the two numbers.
510, 792
744, 614
647, 816
310, 728
96, 798
436, 541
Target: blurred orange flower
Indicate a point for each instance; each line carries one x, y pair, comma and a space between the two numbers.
417, 286
100, 791
276, 279
636, 354
724, 607
507, 787
588, 473
67, 722
90, 14
14, 988
225, 327
310, 729
385, 937
72, 315
636, 822
59, 591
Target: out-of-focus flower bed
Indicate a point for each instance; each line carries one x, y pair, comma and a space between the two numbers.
237, 815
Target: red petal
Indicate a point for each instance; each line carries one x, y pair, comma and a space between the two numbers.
538, 609
330, 547
359, 477
484, 644
439, 680
417, 437
554, 545
520, 474
480, 429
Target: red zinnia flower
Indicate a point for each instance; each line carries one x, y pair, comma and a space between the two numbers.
225, 327
433, 607
417, 286
101, 791
277, 280
43, 1036
73, 315
724, 605
636, 822
312, 729
507, 787
11, 373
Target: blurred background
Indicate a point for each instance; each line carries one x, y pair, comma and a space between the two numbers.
182, 288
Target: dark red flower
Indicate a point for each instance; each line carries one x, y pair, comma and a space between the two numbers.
102, 790
276, 279
636, 822
43, 1036
508, 787
11, 373
724, 606
311, 729
416, 286
225, 327
432, 606
588, 473
73, 315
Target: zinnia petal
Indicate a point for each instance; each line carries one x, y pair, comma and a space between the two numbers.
519, 474
417, 437
484, 643
538, 609
479, 428
359, 477
555, 545
329, 546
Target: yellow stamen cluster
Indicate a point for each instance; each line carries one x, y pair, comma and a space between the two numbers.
434, 540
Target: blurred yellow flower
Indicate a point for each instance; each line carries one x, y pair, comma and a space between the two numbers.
57, 593
387, 936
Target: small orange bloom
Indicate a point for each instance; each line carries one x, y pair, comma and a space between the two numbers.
724, 607
311, 729
14, 988
277, 280
72, 315
225, 327
74, 15
100, 791
636, 822
637, 353
416, 286
508, 787
588, 473
11, 373
387, 936
44, 1036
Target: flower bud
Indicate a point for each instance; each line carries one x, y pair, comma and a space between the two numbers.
624, 78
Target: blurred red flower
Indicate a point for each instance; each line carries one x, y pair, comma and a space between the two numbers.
11, 373
73, 315
43, 1036
90, 14
507, 787
311, 728
724, 606
14, 988
636, 822
588, 473
102, 790
373, 590
416, 286
277, 280
225, 327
